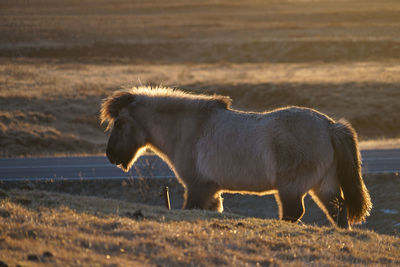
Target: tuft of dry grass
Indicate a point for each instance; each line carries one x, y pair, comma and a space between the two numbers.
66, 230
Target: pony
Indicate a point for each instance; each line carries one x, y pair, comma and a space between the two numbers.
213, 148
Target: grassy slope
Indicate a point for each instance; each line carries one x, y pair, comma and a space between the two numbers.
384, 218
90, 231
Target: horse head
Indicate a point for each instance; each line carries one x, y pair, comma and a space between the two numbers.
126, 136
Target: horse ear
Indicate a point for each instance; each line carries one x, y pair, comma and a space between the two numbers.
113, 104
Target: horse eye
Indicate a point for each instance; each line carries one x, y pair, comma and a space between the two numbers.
118, 125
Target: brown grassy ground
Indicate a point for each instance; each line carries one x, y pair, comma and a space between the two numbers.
54, 229
384, 218
59, 59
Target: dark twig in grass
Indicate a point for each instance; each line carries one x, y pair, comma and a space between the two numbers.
166, 198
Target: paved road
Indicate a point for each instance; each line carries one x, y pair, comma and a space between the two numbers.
89, 168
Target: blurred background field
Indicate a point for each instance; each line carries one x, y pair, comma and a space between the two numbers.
58, 59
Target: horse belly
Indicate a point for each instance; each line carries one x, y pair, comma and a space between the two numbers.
238, 171
249, 183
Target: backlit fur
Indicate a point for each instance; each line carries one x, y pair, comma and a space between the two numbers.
212, 149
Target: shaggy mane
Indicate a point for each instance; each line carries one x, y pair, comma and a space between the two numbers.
113, 104
179, 95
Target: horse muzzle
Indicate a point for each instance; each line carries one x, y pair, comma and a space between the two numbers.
111, 158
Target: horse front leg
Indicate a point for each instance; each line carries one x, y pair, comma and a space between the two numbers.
203, 195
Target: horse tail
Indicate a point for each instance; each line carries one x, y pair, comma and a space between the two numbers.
348, 169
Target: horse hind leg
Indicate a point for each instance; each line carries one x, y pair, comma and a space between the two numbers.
203, 195
291, 206
333, 204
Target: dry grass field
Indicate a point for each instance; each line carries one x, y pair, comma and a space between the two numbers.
59, 59
57, 229
53, 108
384, 218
